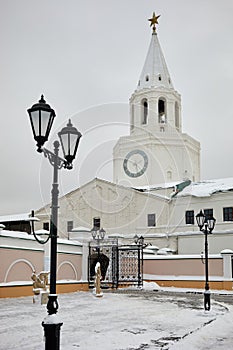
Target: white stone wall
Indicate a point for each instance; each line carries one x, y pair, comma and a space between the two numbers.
124, 211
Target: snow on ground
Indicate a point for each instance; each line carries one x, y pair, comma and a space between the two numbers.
132, 320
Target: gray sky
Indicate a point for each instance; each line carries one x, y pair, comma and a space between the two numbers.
86, 58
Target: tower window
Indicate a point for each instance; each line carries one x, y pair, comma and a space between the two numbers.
151, 220
160, 77
70, 226
162, 111
144, 111
132, 117
147, 77
96, 223
169, 175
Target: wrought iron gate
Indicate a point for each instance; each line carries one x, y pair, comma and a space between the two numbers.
130, 264
119, 264
106, 253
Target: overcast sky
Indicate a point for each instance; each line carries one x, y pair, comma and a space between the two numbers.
86, 58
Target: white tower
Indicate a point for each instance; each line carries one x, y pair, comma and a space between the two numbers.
156, 151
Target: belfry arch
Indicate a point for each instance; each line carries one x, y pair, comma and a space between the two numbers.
162, 113
144, 116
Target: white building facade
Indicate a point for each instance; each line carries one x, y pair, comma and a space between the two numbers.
156, 191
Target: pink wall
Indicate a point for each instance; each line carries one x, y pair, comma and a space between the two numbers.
69, 266
185, 267
18, 264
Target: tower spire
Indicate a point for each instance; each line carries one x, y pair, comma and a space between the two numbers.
155, 72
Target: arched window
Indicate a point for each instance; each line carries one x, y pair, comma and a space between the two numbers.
162, 110
169, 175
177, 117
132, 117
147, 77
144, 111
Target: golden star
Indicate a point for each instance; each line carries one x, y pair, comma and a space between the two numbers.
154, 20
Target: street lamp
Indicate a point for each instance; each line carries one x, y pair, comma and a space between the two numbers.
98, 235
139, 240
206, 225
41, 118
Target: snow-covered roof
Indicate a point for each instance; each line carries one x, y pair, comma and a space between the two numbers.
16, 234
207, 188
17, 217
161, 186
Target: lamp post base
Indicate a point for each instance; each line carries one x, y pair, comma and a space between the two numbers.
207, 300
52, 335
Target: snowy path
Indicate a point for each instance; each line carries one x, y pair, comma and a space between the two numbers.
132, 321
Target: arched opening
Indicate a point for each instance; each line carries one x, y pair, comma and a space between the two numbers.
104, 262
162, 110
144, 111
177, 116
67, 271
19, 270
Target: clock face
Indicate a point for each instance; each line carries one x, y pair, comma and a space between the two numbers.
135, 163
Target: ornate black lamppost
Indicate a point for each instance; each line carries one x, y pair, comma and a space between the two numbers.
98, 236
141, 245
206, 225
41, 118
139, 240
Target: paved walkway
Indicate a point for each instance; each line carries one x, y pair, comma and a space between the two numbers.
121, 321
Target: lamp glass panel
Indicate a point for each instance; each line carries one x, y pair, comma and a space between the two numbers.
200, 219
65, 143
45, 116
102, 233
35, 118
73, 140
211, 223
94, 233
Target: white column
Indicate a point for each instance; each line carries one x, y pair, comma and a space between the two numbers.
227, 263
85, 261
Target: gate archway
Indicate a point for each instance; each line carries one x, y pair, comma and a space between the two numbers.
119, 263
